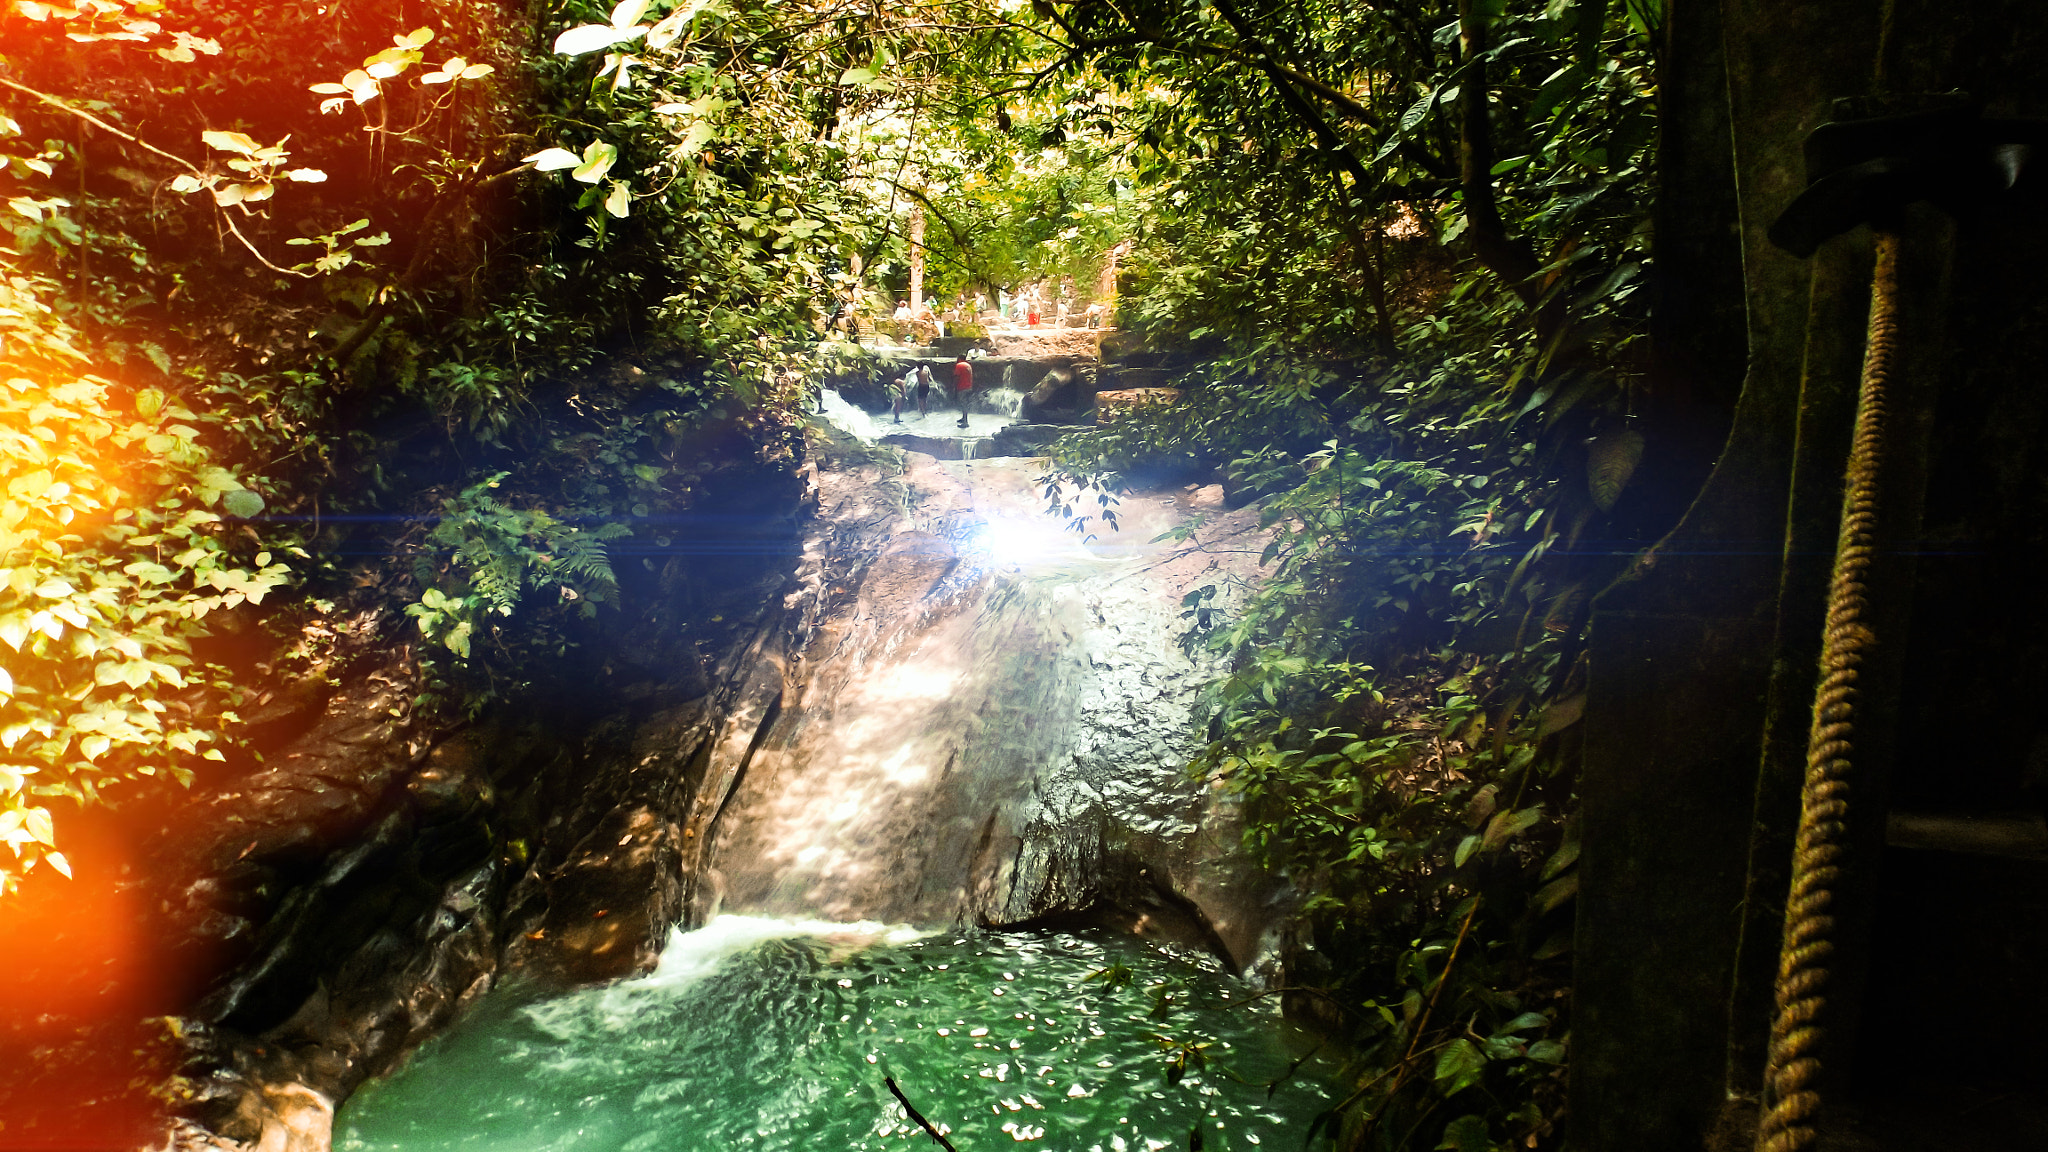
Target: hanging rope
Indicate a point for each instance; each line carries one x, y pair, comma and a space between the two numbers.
1791, 1101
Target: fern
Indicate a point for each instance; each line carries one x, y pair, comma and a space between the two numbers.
583, 563
500, 553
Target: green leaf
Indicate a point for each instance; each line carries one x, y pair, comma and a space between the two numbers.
1416, 112
1561, 715
1459, 1066
1506, 825
1610, 460
550, 159
1467, 1134
1557, 892
242, 503
1464, 852
589, 38
598, 159
1565, 855
231, 142
1538, 398
40, 826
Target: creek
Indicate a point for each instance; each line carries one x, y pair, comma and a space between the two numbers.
959, 850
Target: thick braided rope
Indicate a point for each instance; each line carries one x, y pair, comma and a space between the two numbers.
1791, 1102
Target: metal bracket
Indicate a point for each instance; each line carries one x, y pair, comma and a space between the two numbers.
1863, 168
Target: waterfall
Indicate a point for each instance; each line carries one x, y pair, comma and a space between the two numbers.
1003, 401
842, 413
1000, 698
985, 726
936, 433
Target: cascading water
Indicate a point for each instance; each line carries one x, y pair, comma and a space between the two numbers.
986, 726
848, 417
1004, 401
1002, 700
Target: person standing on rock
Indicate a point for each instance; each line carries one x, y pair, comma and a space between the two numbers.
963, 383
923, 372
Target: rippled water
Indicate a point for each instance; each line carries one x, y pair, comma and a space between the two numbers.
767, 1034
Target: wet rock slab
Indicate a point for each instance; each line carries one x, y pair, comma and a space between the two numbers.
990, 728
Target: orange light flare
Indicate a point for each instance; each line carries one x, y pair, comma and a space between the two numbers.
87, 965
82, 993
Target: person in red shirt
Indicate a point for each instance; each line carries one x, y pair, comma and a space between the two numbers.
963, 383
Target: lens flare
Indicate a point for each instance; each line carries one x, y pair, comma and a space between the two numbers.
1015, 541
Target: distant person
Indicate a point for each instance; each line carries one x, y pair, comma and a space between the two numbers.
899, 398
963, 383
923, 373
1033, 313
1094, 314
907, 386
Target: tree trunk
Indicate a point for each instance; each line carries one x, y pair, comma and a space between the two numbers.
916, 259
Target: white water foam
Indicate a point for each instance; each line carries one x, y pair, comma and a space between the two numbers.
689, 958
847, 418
1002, 401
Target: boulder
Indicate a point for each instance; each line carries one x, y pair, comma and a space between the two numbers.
1121, 345
1055, 392
1026, 439
1121, 377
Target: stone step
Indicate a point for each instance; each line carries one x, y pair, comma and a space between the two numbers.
943, 447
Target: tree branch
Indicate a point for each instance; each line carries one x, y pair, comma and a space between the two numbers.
102, 125
959, 236
1326, 136
145, 145
912, 1111
1506, 257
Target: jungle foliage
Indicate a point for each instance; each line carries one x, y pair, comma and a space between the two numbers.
303, 293
1423, 318
459, 287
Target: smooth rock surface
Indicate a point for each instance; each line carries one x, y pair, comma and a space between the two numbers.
991, 725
